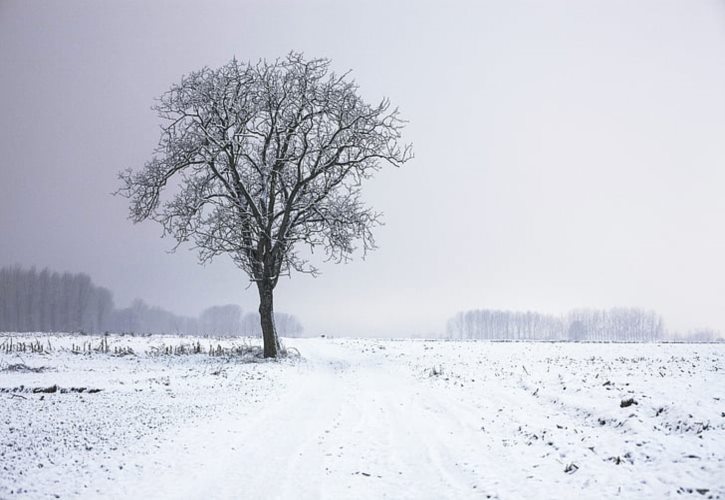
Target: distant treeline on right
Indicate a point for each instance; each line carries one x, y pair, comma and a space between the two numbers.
622, 324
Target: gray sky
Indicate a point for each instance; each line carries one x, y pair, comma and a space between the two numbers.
568, 154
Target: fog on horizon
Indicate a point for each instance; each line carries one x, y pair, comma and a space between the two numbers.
566, 154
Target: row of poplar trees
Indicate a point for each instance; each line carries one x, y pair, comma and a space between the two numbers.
47, 301
51, 301
618, 324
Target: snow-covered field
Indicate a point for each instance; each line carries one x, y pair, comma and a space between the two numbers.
363, 419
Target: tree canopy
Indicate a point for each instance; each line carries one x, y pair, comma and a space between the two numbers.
259, 160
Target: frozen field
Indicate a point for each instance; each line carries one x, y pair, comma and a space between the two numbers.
363, 419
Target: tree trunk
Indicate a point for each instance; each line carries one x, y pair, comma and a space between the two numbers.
266, 316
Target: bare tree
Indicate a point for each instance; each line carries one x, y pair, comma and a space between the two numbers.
262, 159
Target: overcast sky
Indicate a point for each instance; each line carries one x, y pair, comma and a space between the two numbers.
568, 154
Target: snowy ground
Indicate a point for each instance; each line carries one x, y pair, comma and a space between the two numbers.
365, 419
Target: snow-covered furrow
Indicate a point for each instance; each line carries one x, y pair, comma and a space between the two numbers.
568, 417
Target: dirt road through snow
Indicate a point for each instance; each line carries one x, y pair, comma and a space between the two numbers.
347, 425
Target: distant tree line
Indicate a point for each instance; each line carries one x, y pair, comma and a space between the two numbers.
698, 335
618, 324
51, 301
225, 321
46, 301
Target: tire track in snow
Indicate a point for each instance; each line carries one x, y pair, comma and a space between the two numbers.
344, 425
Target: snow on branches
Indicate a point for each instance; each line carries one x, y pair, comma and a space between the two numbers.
258, 160
264, 156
